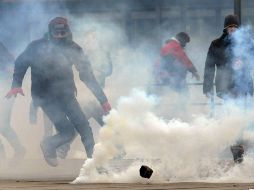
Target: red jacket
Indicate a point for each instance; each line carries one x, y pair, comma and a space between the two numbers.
174, 49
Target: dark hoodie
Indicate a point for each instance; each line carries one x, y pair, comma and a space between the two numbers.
220, 58
51, 64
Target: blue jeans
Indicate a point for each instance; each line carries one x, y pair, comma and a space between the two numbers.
67, 116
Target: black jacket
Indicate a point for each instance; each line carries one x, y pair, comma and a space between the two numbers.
51, 69
220, 58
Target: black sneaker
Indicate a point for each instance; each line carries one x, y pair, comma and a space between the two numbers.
237, 151
49, 156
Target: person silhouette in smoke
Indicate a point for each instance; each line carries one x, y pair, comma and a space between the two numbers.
233, 80
102, 67
6, 69
53, 88
174, 64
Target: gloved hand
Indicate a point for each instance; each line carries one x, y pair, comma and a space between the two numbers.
14, 92
106, 107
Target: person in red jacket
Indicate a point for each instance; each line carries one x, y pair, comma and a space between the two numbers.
174, 64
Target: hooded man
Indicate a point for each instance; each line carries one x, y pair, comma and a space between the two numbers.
225, 67
233, 80
53, 88
102, 68
175, 64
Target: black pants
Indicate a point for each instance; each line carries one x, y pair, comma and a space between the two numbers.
66, 115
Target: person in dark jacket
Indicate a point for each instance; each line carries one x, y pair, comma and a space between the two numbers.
53, 88
102, 68
6, 68
232, 76
233, 80
174, 64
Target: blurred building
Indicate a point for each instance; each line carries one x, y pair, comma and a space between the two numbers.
155, 20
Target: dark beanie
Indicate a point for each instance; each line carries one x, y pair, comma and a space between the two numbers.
183, 38
231, 20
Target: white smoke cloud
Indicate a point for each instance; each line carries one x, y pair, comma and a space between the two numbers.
175, 150
133, 125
